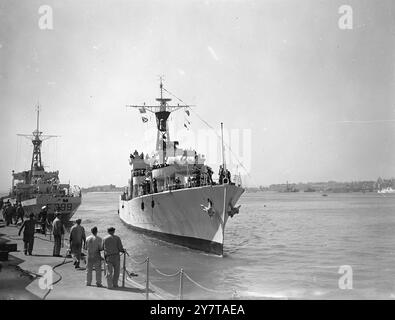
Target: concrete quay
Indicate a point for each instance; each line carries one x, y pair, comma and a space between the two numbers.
20, 276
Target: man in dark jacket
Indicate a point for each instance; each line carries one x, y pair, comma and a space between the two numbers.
20, 213
8, 213
12, 213
28, 227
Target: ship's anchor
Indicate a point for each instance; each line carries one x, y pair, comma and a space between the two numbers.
233, 210
209, 209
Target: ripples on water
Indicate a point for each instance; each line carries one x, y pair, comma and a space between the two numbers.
279, 246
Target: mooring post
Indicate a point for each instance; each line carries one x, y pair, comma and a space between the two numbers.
147, 284
124, 269
181, 282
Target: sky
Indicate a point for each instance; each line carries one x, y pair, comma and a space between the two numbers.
300, 98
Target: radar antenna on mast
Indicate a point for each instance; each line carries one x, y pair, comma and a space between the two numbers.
162, 113
37, 138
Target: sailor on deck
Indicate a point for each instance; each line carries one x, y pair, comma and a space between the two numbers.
221, 174
112, 246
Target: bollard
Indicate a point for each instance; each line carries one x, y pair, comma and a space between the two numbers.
147, 284
124, 269
181, 282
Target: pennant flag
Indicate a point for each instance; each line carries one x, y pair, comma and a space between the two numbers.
187, 112
142, 110
144, 119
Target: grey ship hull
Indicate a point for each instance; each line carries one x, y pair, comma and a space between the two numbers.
178, 217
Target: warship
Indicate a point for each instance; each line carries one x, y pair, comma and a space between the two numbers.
36, 188
171, 194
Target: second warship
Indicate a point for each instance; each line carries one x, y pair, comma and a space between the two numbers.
37, 188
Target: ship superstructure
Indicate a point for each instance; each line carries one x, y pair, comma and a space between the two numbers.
171, 194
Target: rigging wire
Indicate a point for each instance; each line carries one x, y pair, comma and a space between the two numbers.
215, 131
17, 152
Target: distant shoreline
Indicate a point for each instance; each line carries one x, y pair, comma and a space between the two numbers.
101, 192
103, 188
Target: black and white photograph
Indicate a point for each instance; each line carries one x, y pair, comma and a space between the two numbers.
206, 150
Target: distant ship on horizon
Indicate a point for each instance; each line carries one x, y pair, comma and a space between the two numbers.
386, 190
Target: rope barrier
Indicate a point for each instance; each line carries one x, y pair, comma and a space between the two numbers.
180, 273
164, 274
137, 262
205, 288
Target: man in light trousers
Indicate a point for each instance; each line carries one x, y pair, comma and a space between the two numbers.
58, 231
93, 245
112, 247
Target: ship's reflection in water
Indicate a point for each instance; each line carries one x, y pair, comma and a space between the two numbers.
292, 248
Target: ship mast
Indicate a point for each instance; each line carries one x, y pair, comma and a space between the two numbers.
222, 147
36, 157
162, 113
37, 138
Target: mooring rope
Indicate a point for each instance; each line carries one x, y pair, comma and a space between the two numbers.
60, 276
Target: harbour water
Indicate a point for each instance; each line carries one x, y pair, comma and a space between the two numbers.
280, 246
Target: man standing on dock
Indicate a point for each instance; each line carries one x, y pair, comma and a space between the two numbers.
93, 245
28, 227
12, 213
112, 247
77, 240
8, 213
58, 231
20, 213
43, 219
